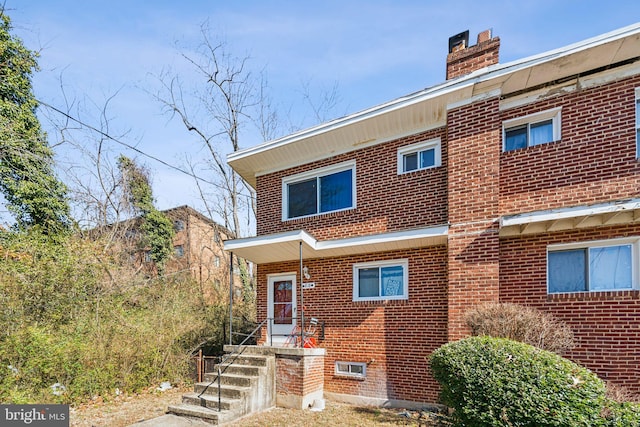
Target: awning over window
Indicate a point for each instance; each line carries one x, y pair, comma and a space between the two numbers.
286, 246
611, 213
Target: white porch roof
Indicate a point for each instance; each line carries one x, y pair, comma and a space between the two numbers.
286, 246
610, 213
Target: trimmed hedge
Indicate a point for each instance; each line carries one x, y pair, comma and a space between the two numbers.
500, 382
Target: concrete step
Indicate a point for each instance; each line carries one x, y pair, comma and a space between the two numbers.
226, 390
231, 379
247, 359
199, 413
240, 370
211, 402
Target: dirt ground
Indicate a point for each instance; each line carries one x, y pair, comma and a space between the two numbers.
125, 410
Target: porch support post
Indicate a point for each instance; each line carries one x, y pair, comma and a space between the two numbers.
301, 299
230, 298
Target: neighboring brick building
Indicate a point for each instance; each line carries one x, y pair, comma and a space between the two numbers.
512, 182
197, 244
198, 247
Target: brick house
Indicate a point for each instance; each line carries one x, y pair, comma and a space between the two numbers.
514, 182
197, 248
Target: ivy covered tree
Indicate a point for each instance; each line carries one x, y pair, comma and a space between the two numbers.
32, 192
156, 227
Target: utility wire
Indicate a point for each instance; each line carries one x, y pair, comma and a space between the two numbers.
131, 147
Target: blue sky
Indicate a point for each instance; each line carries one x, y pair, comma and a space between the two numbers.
374, 51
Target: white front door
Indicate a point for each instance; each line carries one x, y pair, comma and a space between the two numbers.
281, 306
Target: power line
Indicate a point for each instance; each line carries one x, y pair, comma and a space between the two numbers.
131, 147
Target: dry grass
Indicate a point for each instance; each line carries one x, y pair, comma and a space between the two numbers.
126, 410
340, 414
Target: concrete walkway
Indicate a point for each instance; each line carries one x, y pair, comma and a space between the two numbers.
170, 420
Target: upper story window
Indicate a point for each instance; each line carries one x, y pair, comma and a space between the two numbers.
178, 225
322, 190
178, 251
638, 122
593, 266
380, 280
534, 129
423, 155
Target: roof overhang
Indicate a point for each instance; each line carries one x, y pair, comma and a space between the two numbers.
286, 246
427, 108
603, 214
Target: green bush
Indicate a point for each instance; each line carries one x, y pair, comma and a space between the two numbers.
499, 382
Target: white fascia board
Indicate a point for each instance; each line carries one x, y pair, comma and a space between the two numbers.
286, 237
426, 94
566, 213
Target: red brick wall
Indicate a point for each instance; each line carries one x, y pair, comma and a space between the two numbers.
594, 162
298, 375
393, 337
473, 187
606, 324
386, 201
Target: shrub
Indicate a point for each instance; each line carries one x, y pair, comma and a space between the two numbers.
496, 381
521, 323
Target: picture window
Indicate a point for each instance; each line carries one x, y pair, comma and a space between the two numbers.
596, 266
324, 190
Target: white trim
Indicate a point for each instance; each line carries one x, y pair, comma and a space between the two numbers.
419, 147
552, 114
634, 242
404, 263
318, 173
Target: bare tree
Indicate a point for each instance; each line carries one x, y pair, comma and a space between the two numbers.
228, 102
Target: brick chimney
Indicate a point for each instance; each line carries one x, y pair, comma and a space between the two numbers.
463, 59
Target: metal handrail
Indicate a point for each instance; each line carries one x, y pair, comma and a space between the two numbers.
236, 352
223, 359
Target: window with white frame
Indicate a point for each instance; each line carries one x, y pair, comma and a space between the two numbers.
423, 155
352, 369
380, 280
320, 191
638, 122
606, 265
534, 129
